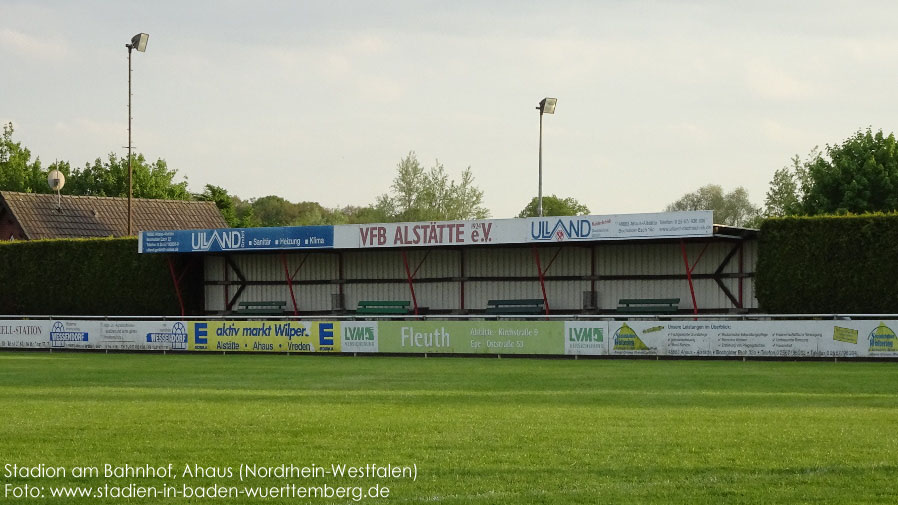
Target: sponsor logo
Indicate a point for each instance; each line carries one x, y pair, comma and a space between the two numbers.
59, 335
412, 338
325, 337
358, 334
625, 339
21, 330
223, 239
883, 339
586, 334
200, 335
560, 229
177, 337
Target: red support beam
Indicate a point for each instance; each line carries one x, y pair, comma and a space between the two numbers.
174, 279
411, 283
227, 285
290, 284
689, 274
461, 283
542, 279
692, 269
592, 275
741, 271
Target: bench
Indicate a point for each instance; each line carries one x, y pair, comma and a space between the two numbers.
261, 308
648, 305
400, 307
524, 306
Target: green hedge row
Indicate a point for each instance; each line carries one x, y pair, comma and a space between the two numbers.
828, 264
90, 277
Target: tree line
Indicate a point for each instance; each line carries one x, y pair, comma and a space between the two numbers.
857, 176
416, 193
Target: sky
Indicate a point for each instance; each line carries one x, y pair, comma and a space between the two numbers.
320, 100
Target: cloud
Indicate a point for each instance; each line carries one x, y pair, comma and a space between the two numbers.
23, 44
770, 82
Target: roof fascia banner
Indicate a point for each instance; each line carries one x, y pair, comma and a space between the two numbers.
525, 231
435, 233
237, 239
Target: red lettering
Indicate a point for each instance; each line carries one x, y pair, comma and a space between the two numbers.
486, 231
459, 233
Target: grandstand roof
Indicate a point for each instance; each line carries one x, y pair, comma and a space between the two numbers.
31, 216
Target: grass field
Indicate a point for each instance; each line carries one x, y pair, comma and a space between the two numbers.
485, 431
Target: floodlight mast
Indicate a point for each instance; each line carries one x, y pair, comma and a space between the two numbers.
138, 42
546, 106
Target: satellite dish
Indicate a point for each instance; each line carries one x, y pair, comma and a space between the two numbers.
56, 180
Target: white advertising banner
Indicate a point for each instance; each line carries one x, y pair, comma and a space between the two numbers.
768, 338
785, 338
144, 335
94, 335
586, 337
664, 338
25, 334
359, 336
871, 339
521, 231
75, 334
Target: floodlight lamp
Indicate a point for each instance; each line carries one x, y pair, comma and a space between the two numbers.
139, 41
547, 105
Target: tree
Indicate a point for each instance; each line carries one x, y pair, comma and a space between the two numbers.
110, 178
367, 214
733, 208
273, 210
554, 206
17, 171
787, 188
226, 204
429, 195
859, 175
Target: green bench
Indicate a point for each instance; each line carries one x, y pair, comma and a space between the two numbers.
399, 307
261, 308
523, 306
648, 305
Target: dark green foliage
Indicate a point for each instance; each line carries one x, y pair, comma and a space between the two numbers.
91, 277
554, 206
829, 264
861, 175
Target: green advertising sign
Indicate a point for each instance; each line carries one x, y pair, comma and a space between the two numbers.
472, 337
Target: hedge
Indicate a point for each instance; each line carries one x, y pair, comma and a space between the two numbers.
91, 277
828, 264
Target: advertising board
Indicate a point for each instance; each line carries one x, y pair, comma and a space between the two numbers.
471, 337
713, 338
264, 336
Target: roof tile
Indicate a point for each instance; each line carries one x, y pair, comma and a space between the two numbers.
88, 216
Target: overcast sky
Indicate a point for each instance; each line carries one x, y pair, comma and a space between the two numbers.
319, 100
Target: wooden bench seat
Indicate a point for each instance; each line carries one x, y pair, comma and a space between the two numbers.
259, 308
399, 307
648, 305
522, 306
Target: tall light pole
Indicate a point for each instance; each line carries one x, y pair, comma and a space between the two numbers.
138, 42
546, 106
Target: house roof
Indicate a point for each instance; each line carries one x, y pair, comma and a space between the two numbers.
43, 216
